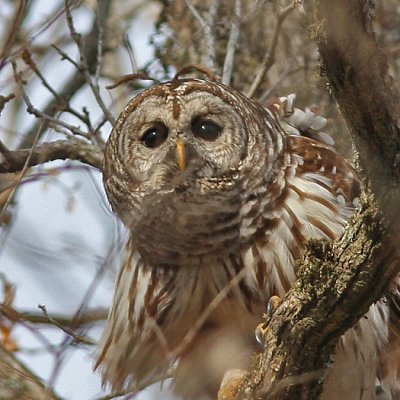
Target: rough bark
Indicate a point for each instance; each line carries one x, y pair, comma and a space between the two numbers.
337, 283
356, 68
18, 382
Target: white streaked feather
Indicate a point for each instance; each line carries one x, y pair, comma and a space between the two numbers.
296, 121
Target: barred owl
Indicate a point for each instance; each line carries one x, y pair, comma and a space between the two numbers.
219, 194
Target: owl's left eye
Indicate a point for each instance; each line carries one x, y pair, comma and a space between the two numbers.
205, 129
155, 136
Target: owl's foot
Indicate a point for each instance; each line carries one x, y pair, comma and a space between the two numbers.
232, 381
261, 329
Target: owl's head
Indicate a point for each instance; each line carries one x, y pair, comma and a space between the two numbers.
183, 129
181, 143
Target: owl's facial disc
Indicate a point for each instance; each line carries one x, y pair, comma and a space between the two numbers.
173, 140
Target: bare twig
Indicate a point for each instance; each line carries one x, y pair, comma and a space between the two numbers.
199, 68
24, 169
64, 105
269, 57
278, 81
52, 121
130, 78
27, 57
77, 80
86, 318
100, 45
93, 84
232, 44
67, 330
64, 56
12, 33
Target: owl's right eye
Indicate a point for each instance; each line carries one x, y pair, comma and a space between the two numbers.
155, 136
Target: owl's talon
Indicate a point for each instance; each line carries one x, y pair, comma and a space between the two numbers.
260, 332
261, 329
273, 303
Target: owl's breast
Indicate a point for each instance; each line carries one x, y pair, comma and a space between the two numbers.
180, 229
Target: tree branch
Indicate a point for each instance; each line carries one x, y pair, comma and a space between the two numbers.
73, 149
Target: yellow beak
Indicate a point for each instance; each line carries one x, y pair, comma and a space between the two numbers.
181, 154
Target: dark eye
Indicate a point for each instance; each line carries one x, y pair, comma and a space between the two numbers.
155, 136
205, 129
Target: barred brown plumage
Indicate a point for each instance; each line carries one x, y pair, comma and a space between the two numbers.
215, 232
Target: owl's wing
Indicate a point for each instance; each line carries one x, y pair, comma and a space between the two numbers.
320, 195
299, 122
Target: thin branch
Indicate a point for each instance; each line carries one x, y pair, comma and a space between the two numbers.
232, 44
77, 338
65, 56
27, 57
100, 45
83, 61
77, 80
13, 31
269, 57
24, 169
64, 105
52, 121
279, 80
142, 76
199, 68
86, 318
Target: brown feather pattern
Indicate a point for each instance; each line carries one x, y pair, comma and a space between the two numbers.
210, 245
